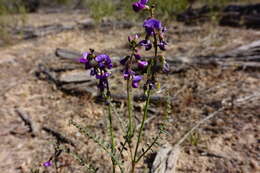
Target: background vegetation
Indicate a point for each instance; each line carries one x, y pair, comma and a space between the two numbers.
98, 9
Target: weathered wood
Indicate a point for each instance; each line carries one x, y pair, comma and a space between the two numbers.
69, 75
166, 159
34, 32
247, 56
67, 54
27, 121
193, 16
30, 32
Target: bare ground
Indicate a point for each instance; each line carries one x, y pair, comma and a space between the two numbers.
227, 143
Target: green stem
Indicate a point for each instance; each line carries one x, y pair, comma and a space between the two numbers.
111, 131
150, 71
141, 129
148, 149
130, 108
130, 131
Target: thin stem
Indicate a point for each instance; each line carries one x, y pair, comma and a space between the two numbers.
150, 71
111, 131
141, 129
130, 108
148, 149
155, 55
130, 131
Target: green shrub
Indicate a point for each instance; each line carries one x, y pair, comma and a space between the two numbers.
100, 8
167, 8
8, 21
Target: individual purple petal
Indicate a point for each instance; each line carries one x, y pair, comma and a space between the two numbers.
162, 45
124, 60
103, 76
101, 65
143, 1
109, 66
137, 56
100, 58
108, 60
136, 80
93, 72
135, 84
128, 73
137, 6
142, 64
85, 55
146, 43
47, 164
84, 58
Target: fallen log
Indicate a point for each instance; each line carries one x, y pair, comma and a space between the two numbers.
166, 159
34, 32
194, 16
232, 15
27, 121
30, 32
69, 75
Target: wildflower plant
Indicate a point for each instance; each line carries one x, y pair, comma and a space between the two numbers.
99, 66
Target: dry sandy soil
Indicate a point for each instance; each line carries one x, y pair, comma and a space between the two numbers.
228, 143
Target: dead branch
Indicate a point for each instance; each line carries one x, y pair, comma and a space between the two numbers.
59, 137
26, 119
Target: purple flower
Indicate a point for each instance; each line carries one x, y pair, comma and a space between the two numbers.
128, 73
124, 60
93, 72
104, 61
137, 56
84, 58
162, 45
146, 43
142, 64
136, 80
143, 1
139, 5
151, 25
103, 76
47, 164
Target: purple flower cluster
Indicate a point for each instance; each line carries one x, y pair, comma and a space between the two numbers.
140, 5
98, 66
129, 61
152, 27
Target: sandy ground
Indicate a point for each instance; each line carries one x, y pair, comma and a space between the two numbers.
229, 143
